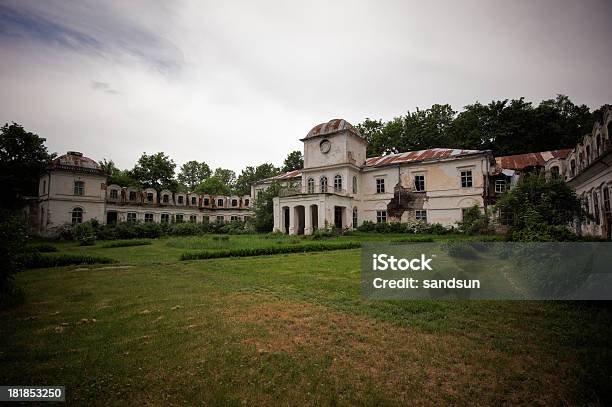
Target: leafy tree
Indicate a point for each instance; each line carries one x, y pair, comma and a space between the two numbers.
155, 171
263, 208
228, 177
213, 186
115, 175
13, 238
193, 173
541, 206
294, 161
250, 175
23, 158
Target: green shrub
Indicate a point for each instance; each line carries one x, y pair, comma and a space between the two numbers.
263, 251
12, 257
367, 226
185, 229
42, 248
474, 222
39, 260
85, 233
126, 243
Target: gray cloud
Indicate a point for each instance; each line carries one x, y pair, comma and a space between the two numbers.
238, 83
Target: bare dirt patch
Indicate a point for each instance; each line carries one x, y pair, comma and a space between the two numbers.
407, 364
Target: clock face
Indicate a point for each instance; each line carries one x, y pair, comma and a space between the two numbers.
325, 146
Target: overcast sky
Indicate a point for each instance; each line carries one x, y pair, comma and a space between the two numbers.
237, 83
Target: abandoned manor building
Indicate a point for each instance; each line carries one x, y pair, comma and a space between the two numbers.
340, 186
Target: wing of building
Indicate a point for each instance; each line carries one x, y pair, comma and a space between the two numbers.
339, 186
74, 190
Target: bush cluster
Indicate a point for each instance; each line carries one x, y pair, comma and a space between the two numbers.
262, 251
126, 243
88, 232
41, 260
405, 227
13, 255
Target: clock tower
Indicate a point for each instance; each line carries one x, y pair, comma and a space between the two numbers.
332, 143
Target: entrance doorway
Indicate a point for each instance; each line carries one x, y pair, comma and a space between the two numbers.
285, 220
300, 219
111, 218
314, 215
338, 217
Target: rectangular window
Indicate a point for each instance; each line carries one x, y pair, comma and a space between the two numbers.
114, 194
44, 186
234, 218
419, 183
500, 186
132, 195
220, 219
219, 202
206, 202
606, 197
381, 216
205, 219
179, 218
246, 202
79, 188
466, 179
148, 218
180, 200
193, 218
234, 202
165, 218
354, 218
380, 185
149, 196
166, 199
421, 215
131, 216
193, 200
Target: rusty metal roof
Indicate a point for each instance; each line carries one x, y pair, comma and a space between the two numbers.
288, 175
73, 160
522, 161
331, 127
421, 155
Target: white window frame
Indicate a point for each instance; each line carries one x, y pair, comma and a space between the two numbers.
381, 216
129, 214
310, 183
79, 188
421, 214
498, 183
149, 217
77, 219
337, 183
165, 215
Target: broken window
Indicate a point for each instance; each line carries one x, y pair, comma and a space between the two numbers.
419, 183
178, 218
131, 217
219, 202
421, 215
77, 216
193, 218
606, 199
133, 195
180, 199
338, 183
206, 202
323, 184
220, 219
114, 194
466, 179
79, 188
193, 200
165, 218
148, 218
246, 201
310, 185
149, 196
380, 186
234, 202
381, 216
166, 198
234, 218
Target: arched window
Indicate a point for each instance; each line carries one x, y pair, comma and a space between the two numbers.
354, 184
598, 144
311, 185
355, 218
77, 216
588, 153
338, 183
323, 184
554, 170
573, 167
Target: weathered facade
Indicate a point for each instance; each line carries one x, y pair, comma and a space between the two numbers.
340, 186
74, 190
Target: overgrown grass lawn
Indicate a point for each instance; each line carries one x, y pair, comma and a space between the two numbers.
287, 330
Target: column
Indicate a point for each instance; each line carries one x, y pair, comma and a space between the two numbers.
307, 220
292, 219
